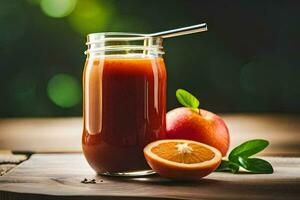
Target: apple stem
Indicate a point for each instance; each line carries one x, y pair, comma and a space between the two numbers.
197, 110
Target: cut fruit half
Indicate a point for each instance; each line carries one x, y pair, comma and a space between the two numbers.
182, 159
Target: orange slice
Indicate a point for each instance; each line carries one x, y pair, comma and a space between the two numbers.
182, 159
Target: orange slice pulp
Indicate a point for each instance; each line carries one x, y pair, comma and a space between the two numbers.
182, 159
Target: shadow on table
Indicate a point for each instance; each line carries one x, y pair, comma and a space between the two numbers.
158, 180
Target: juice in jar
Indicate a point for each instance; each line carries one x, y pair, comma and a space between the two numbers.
124, 110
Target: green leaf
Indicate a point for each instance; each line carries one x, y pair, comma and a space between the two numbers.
256, 165
187, 99
226, 166
247, 149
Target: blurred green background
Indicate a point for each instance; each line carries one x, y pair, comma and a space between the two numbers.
247, 62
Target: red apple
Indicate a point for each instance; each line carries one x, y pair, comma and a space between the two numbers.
198, 125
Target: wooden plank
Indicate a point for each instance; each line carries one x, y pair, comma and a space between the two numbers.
64, 134
59, 176
8, 161
41, 134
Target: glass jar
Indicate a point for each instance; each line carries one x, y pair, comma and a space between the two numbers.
124, 85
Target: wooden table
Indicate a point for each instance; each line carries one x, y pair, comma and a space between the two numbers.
64, 134
59, 176
52, 175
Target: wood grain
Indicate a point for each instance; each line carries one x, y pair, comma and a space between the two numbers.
64, 134
58, 176
9, 161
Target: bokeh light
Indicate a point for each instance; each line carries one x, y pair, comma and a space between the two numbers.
58, 8
89, 16
64, 90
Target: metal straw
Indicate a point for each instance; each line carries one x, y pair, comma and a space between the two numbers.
180, 31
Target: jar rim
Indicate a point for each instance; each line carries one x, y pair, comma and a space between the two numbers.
117, 36
121, 41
